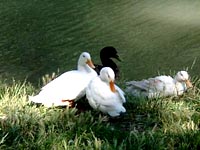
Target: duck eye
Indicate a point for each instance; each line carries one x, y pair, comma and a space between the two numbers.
84, 56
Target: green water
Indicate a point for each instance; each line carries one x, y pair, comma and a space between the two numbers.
40, 36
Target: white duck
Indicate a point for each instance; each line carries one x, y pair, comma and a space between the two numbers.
69, 86
160, 86
104, 95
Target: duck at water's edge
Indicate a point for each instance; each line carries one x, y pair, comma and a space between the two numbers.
105, 55
69, 86
160, 86
104, 95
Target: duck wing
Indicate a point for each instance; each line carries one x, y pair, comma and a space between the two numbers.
142, 85
69, 86
121, 94
151, 83
152, 87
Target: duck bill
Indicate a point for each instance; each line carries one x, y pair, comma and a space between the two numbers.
188, 84
90, 63
117, 57
112, 86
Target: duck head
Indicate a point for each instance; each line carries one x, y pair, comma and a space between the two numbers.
107, 75
85, 59
182, 76
109, 52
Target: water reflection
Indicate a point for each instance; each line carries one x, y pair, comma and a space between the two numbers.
37, 37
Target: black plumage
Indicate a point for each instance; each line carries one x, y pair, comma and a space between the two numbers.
105, 55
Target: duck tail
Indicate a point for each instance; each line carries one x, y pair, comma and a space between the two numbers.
34, 99
122, 110
116, 113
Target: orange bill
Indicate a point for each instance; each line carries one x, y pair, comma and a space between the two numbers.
90, 63
112, 86
188, 84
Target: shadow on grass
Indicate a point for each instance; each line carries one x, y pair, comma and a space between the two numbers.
171, 123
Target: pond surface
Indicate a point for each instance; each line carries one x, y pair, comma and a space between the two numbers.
38, 37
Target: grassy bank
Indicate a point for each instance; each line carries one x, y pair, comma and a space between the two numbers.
169, 123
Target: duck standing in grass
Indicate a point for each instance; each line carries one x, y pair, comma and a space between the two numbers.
104, 95
69, 86
105, 55
160, 86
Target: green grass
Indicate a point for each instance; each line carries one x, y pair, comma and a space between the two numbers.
167, 123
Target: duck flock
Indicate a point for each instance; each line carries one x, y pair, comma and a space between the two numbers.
97, 82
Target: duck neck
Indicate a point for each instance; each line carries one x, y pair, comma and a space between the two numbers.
88, 70
176, 86
180, 87
176, 82
108, 62
104, 58
84, 68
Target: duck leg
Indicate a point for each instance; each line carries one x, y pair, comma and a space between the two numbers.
70, 103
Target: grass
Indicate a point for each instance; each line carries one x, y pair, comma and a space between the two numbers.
165, 123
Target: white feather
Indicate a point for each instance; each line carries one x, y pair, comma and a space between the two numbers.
100, 96
70, 85
159, 86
